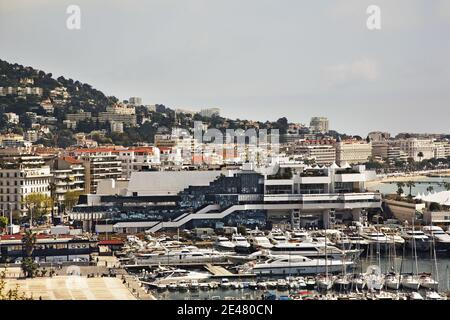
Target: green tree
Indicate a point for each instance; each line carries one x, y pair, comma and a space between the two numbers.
430, 188
38, 204
400, 186
71, 198
3, 222
29, 267
410, 185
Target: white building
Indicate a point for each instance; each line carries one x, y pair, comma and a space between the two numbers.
20, 176
353, 152
418, 149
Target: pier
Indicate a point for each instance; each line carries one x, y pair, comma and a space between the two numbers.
221, 272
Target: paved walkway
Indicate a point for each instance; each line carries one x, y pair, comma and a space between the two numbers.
73, 288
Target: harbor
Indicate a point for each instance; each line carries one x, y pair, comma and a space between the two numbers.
355, 264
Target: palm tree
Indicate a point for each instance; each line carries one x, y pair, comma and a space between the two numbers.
447, 186
420, 155
52, 189
410, 185
29, 241
29, 267
400, 186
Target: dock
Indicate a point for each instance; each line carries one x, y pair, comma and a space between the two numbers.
221, 272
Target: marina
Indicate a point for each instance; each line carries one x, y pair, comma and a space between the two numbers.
290, 269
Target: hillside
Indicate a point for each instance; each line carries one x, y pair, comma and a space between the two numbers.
34, 94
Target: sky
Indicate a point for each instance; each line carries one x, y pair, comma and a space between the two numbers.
255, 59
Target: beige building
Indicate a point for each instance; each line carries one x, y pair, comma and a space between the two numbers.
20, 176
353, 152
414, 147
322, 154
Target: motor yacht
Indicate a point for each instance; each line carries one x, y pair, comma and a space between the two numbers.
240, 243
260, 242
186, 255
223, 243
298, 265
313, 250
417, 239
277, 237
299, 236
441, 239
173, 276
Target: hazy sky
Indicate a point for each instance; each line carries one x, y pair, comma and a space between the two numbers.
255, 59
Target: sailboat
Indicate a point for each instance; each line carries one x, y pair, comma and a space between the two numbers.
325, 283
392, 279
426, 279
411, 281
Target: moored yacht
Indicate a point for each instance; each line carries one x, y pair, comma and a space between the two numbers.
417, 239
240, 243
297, 264
260, 242
410, 281
392, 281
441, 239
277, 237
427, 281
223, 243
313, 250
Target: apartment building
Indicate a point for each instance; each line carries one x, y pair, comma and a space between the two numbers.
67, 175
137, 159
322, 152
99, 164
21, 175
353, 151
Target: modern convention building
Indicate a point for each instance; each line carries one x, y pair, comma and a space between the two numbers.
284, 193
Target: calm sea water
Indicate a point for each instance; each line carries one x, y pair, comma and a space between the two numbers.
421, 187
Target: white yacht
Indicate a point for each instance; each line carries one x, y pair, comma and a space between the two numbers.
284, 265
427, 281
277, 237
299, 236
260, 242
168, 276
441, 239
410, 281
240, 243
223, 243
312, 250
418, 239
352, 241
392, 281
186, 254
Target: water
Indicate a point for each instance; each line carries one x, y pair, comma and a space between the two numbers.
403, 264
387, 188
